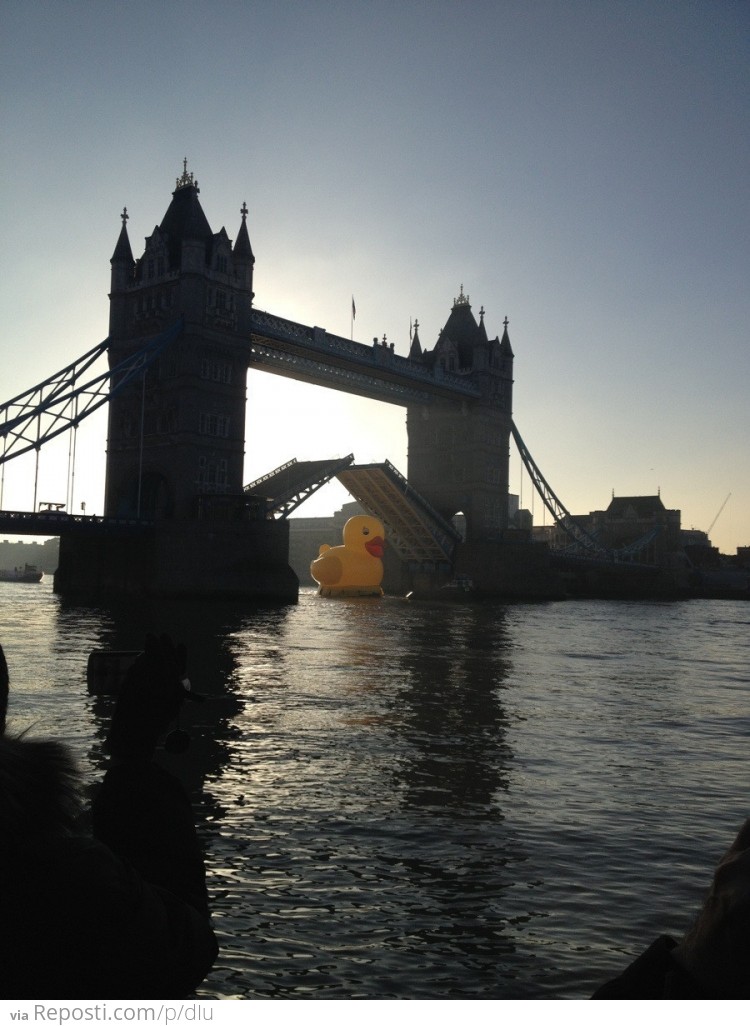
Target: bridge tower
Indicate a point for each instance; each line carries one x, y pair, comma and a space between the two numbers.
458, 455
176, 437
179, 434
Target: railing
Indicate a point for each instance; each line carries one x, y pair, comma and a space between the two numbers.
446, 529
317, 341
267, 477
56, 523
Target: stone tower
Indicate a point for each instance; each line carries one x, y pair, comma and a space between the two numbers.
177, 437
458, 451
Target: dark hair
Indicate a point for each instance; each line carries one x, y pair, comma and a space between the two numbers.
40, 793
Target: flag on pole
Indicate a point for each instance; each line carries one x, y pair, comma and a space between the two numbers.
354, 309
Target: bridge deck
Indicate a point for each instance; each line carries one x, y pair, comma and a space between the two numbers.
288, 486
416, 531
51, 525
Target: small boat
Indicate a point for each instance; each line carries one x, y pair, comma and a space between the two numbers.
458, 585
26, 574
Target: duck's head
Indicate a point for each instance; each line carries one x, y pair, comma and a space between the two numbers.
363, 532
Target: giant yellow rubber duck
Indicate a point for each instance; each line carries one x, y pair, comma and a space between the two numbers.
356, 567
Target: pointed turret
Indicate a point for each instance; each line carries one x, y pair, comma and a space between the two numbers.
505, 348
415, 349
242, 248
482, 329
243, 262
242, 256
461, 335
505, 361
123, 254
121, 276
186, 226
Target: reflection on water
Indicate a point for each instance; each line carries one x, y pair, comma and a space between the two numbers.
362, 802
452, 666
412, 800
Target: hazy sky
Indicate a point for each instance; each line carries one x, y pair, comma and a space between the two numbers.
579, 166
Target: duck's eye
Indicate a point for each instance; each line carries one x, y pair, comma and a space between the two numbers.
365, 530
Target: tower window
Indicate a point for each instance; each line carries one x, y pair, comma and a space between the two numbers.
216, 370
221, 264
212, 474
213, 424
166, 421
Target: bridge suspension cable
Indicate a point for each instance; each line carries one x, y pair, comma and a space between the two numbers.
61, 401
559, 513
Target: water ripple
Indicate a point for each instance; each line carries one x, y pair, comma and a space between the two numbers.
409, 801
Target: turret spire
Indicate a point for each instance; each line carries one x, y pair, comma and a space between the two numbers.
242, 247
186, 179
415, 349
123, 254
505, 341
462, 299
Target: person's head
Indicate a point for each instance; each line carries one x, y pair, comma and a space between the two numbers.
40, 795
150, 698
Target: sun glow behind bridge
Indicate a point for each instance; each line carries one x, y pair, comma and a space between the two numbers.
287, 419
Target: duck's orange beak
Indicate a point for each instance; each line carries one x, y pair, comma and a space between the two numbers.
376, 547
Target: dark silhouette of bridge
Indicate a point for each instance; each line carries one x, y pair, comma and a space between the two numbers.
177, 517
417, 532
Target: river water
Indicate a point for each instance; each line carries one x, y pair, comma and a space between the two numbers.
409, 800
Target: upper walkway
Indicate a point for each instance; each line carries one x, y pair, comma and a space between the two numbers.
313, 355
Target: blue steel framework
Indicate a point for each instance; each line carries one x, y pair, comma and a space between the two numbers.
61, 401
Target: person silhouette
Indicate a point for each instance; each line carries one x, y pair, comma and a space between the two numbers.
141, 811
77, 920
712, 960
4, 690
